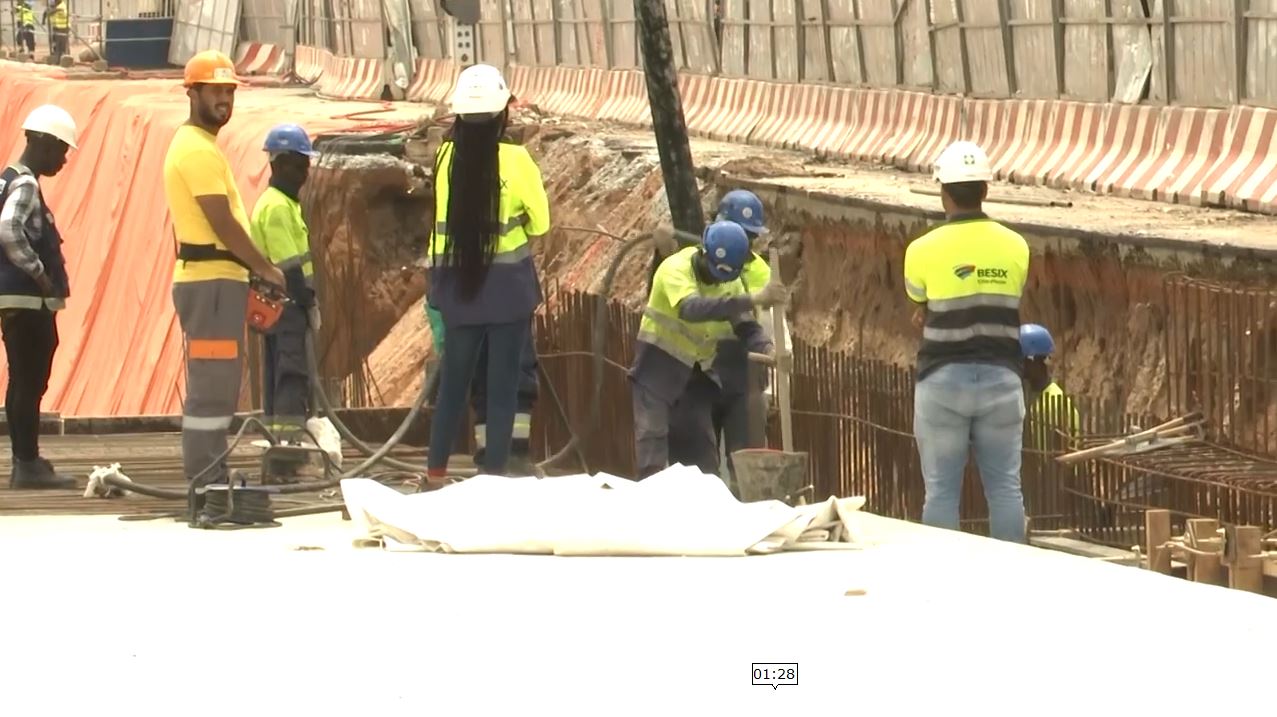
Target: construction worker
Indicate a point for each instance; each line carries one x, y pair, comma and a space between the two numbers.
24, 21
33, 288
740, 413
966, 277
279, 232
215, 254
697, 301
489, 200
58, 18
1045, 400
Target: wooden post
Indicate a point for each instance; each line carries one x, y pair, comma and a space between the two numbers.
1110, 55
782, 352
1201, 535
1057, 25
898, 42
668, 121
1008, 46
1242, 548
960, 9
605, 7
931, 50
1168, 48
1240, 40
860, 43
1157, 532
830, 74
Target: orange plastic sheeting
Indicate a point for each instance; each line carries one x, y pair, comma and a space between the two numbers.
121, 343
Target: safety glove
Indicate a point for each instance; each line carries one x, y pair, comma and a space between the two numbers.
773, 294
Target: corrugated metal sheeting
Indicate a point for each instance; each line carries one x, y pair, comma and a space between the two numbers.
1222, 51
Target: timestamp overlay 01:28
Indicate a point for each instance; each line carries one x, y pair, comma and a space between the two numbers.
774, 674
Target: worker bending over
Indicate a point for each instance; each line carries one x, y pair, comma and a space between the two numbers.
697, 301
1046, 402
58, 18
967, 276
279, 232
24, 21
740, 414
214, 257
489, 199
33, 287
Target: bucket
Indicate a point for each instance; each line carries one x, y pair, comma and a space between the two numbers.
764, 474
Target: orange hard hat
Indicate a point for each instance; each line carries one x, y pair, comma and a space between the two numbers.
210, 68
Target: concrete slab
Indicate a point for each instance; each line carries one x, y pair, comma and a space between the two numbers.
155, 618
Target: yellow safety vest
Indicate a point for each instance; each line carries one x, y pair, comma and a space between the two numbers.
518, 171
970, 272
280, 233
60, 18
26, 18
689, 342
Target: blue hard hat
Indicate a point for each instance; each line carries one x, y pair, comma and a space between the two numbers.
1036, 341
726, 249
289, 138
744, 208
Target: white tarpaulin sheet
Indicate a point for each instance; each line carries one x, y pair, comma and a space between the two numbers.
679, 511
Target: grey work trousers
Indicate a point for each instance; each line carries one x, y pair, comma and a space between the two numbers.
678, 432
286, 399
212, 318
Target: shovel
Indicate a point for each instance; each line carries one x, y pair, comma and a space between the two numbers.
765, 474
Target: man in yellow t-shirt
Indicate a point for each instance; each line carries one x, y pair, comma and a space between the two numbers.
214, 257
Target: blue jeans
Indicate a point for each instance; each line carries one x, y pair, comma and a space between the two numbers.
505, 343
960, 407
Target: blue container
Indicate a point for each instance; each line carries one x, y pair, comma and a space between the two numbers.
138, 44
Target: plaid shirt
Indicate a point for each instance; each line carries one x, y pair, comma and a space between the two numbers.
21, 218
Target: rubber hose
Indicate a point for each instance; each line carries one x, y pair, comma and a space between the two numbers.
380, 454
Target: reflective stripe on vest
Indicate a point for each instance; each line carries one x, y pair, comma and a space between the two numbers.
514, 256
689, 343
304, 261
19, 301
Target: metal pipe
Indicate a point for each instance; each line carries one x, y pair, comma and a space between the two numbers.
1025, 201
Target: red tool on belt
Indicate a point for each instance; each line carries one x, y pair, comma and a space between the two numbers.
265, 304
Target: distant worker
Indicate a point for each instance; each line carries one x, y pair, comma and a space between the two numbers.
215, 254
58, 17
740, 415
697, 301
1045, 400
24, 21
279, 232
33, 287
967, 276
489, 200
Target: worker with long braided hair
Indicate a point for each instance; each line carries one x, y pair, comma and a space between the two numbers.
489, 199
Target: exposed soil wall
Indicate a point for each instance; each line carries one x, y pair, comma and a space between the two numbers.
1100, 295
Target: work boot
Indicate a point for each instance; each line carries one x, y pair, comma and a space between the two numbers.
38, 475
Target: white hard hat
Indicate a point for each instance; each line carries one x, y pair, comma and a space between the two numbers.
480, 90
963, 162
52, 120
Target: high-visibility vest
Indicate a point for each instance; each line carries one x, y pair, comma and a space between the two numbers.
689, 342
61, 20
26, 17
279, 231
512, 243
